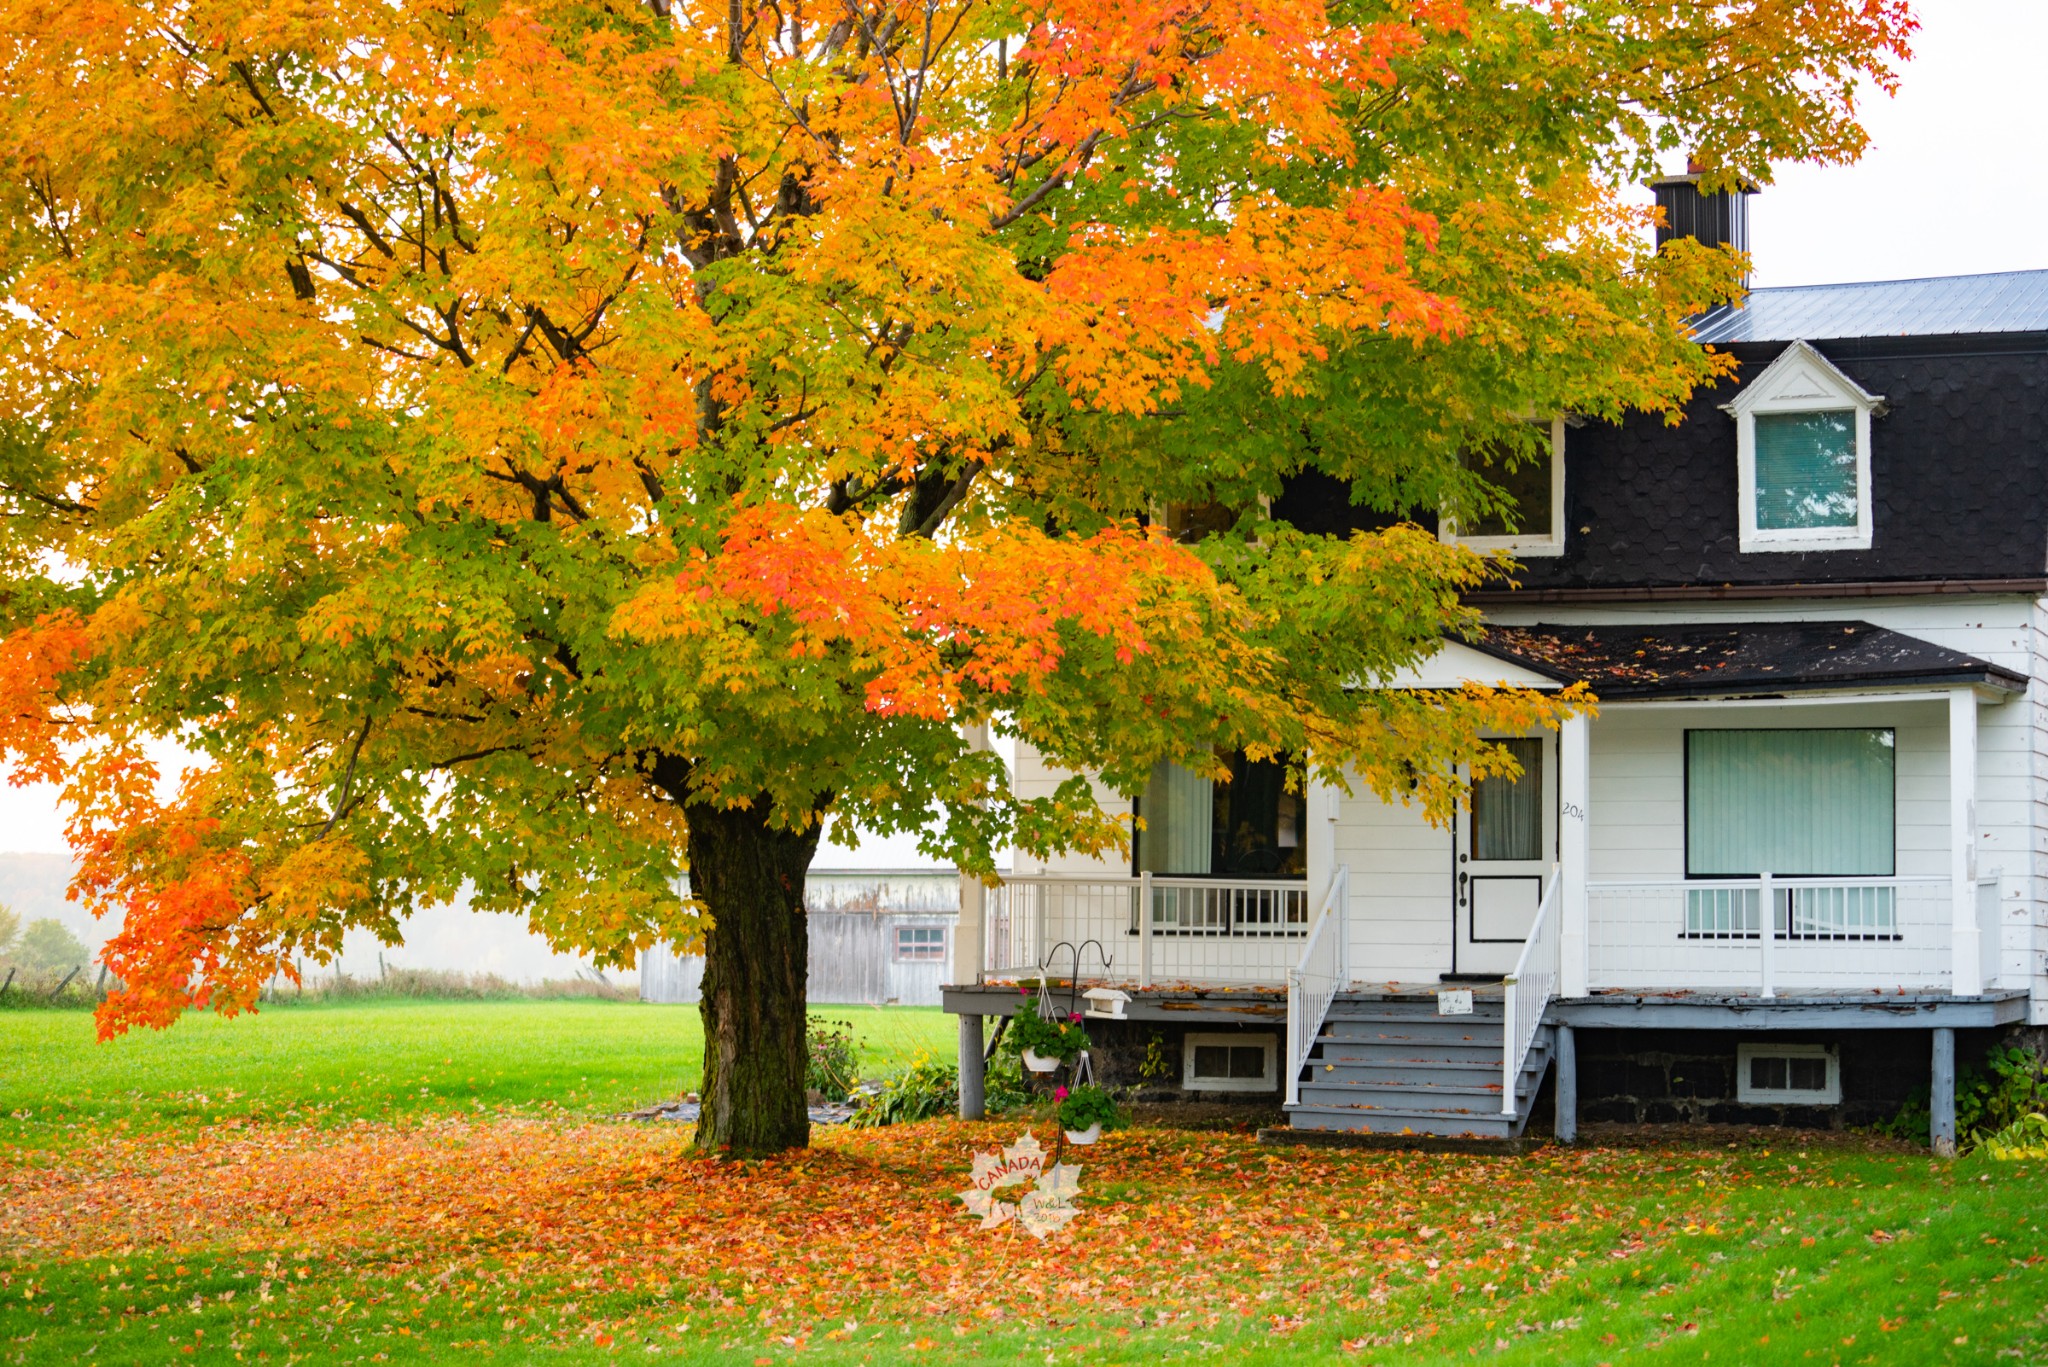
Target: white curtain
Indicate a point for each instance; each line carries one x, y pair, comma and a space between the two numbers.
1178, 808
1507, 813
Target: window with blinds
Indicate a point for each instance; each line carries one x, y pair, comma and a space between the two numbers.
1791, 803
1806, 470
1802, 452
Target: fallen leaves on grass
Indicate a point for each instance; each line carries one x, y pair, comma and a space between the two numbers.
597, 1228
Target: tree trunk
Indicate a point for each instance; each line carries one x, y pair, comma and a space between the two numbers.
751, 879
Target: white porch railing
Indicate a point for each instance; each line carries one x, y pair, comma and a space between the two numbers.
1528, 990
1152, 929
1825, 934
1314, 982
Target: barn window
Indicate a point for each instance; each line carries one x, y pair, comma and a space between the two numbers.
920, 944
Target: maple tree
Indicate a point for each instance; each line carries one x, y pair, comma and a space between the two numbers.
535, 447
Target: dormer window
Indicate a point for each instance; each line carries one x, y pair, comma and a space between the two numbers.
1533, 521
1802, 443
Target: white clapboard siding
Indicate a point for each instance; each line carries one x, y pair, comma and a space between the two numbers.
1034, 778
1400, 889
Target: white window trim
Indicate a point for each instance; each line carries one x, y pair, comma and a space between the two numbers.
1801, 380
1521, 543
1269, 1081
1830, 1095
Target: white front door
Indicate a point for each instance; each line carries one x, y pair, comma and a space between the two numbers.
1506, 841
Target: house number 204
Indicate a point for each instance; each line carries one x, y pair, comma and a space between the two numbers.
1575, 811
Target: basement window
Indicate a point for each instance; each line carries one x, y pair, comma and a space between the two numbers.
1229, 1063
1778, 1074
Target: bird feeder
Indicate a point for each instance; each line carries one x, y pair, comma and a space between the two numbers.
1106, 1003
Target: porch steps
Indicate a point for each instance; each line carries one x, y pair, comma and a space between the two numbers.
1390, 1065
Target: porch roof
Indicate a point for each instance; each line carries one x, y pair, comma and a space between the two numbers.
1723, 659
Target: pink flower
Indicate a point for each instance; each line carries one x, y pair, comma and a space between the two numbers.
1074, 1017
1059, 1094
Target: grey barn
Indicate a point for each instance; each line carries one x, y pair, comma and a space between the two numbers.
877, 936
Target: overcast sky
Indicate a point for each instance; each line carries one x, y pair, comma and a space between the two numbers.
1954, 184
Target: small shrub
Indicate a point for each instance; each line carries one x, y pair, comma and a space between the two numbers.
926, 1089
1156, 1066
831, 1059
2026, 1138
1002, 1085
2012, 1085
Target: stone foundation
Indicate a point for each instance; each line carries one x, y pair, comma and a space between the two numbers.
1688, 1077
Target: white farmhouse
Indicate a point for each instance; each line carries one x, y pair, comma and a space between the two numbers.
1794, 862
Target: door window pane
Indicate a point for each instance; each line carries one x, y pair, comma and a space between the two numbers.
1790, 802
1507, 813
1805, 470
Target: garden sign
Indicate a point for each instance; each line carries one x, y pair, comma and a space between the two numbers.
1047, 1206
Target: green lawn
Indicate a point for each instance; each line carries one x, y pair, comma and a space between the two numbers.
439, 1182
379, 1060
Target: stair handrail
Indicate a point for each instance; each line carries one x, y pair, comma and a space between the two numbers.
1320, 974
1527, 991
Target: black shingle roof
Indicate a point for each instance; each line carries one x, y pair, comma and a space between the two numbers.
1958, 465
1719, 659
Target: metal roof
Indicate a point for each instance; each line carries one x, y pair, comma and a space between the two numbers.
2009, 301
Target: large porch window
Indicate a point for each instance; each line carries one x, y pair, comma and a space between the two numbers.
1247, 827
1796, 804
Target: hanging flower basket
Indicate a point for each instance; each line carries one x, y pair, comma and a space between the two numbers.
1085, 1111
1045, 1044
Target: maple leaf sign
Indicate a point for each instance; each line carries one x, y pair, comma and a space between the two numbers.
539, 447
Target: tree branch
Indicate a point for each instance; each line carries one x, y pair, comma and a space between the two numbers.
348, 778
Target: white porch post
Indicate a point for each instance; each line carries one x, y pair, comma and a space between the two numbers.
1574, 836
970, 949
1321, 835
1966, 973
1322, 801
969, 945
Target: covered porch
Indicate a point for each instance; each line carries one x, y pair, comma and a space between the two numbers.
1778, 813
